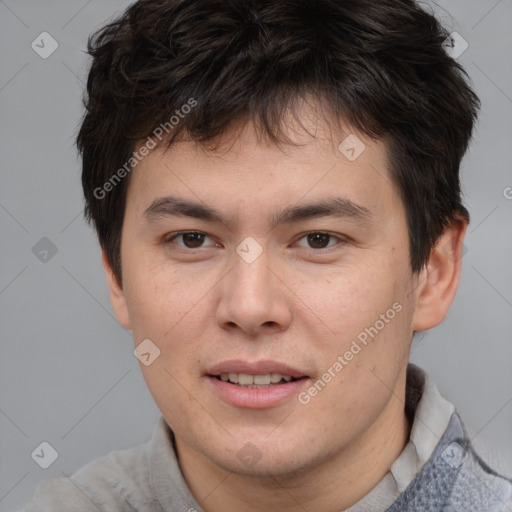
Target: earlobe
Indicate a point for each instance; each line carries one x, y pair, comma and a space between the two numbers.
439, 279
117, 297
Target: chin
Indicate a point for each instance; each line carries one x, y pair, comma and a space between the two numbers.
265, 468
259, 457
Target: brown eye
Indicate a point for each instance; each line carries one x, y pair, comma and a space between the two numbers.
318, 240
187, 239
193, 240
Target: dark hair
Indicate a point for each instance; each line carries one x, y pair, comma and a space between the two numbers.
380, 67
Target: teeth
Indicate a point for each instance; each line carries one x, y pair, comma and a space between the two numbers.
261, 379
244, 379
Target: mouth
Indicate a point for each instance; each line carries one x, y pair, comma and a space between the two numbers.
259, 385
261, 381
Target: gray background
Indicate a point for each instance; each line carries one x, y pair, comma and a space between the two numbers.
67, 371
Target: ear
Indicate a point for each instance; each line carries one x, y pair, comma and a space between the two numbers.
117, 297
437, 283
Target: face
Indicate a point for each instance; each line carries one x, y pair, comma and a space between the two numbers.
261, 264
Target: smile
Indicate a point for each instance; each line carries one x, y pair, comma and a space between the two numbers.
255, 381
255, 385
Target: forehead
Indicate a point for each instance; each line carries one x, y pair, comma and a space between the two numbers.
245, 172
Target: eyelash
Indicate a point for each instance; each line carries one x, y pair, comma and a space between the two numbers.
171, 237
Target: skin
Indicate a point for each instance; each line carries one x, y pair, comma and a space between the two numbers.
297, 303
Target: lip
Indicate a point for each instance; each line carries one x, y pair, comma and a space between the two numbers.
255, 368
254, 398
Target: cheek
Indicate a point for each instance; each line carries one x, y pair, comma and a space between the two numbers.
347, 301
175, 314
159, 300
169, 312
368, 322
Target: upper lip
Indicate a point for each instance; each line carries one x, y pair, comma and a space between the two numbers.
255, 368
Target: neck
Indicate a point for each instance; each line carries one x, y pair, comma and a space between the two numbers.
334, 484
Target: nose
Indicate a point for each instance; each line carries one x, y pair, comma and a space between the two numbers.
253, 299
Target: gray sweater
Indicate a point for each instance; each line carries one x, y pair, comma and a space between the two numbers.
434, 473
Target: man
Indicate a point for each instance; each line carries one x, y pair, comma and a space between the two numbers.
275, 189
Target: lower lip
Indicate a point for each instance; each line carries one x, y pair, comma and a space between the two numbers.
256, 398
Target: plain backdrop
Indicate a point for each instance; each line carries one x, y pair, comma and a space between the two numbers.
67, 371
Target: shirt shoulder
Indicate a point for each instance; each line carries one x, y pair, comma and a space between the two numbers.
478, 486
119, 481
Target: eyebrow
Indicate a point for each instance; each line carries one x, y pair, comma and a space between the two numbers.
340, 207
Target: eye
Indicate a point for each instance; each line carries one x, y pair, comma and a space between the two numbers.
189, 239
319, 240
